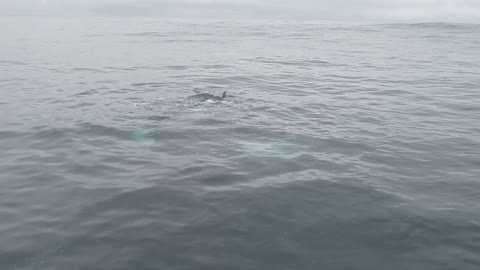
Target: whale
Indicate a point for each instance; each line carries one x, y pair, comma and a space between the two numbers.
207, 96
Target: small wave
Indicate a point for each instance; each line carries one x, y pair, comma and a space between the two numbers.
211, 122
143, 34
274, 180
211, 175
44, 136
300, 62
58, 134
135, 68
343, 77
94, 169
86, 93
149, 84
147, 68
99, 130
94, 35
106, 81
88, 70
434, 25
176, 67
224, 82
12, 63
258, 34
5, 134
441, 25
121, 69
203, 40
81, 105
214, 66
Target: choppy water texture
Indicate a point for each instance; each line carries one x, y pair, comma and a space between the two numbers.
339, 146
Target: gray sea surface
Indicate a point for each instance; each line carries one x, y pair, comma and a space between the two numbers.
339, 146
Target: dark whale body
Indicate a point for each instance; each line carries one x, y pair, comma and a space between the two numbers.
206, 96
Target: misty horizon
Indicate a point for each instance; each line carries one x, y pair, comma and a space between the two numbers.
466, 11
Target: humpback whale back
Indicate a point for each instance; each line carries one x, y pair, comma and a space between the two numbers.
207, 96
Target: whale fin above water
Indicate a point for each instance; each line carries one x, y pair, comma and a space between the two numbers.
207, 96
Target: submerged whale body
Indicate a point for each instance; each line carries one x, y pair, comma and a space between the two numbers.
206, 97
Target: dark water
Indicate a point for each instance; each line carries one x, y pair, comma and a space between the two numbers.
339, 146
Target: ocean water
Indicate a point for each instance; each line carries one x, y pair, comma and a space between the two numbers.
339, 146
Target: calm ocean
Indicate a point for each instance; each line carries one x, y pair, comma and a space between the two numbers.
339, 146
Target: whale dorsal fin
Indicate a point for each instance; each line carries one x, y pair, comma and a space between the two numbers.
224, 95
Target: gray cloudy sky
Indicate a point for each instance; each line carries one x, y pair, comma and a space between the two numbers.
343, 10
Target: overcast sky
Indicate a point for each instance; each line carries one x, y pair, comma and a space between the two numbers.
339, 10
